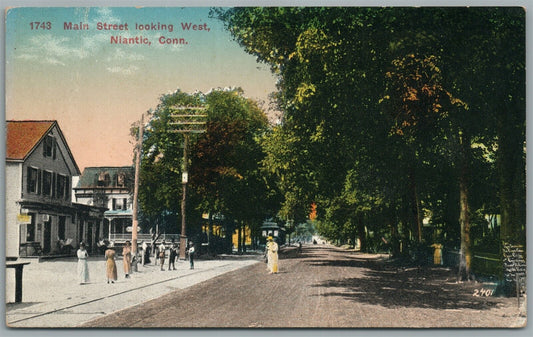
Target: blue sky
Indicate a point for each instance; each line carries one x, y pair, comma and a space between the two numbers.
96, 89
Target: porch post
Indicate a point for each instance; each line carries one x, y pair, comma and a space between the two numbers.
109, 231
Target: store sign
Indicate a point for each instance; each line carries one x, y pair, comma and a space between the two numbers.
24, 219
129, 229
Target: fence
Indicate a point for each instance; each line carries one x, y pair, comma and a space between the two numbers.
482, 264
121, 238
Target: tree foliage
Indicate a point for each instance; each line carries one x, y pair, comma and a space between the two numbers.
395, 116
224, 170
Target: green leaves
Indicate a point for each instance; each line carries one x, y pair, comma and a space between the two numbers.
223, 162
374, 100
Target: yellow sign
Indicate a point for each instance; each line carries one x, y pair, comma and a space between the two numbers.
24, 218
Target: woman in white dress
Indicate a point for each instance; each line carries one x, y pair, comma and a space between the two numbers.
272, 254
83, 268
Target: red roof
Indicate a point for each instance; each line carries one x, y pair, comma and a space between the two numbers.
23, 136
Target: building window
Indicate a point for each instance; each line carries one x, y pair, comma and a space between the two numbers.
121, 179
117, 205
61, 184
120, 204
103, 179
49, 148
32, 180
47, 183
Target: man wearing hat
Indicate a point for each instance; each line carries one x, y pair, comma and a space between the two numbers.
162, 249
272, 254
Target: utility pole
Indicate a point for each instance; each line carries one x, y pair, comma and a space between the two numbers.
135, 221
188, 121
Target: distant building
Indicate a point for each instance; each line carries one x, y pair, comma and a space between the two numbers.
271, 227
110, 187
40, 215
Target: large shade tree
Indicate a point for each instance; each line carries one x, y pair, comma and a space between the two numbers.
389, 105
224, 161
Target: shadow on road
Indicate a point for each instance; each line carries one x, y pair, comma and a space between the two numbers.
408, 289
20, 305
391, 286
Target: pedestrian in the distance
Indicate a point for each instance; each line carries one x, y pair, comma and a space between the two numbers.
191, 255
144, 248
83, 267
172, 256
126, 258
162, 249
437, 255
111, 267
272, 253
147, 254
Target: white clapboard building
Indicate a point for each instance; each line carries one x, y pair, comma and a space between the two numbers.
40, 214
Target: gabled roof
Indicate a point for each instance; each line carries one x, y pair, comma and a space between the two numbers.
106, 176
22, 137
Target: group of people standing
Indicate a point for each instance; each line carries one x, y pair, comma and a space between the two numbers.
173, 254
111, 267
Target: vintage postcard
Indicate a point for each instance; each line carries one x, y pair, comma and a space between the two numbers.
265, 167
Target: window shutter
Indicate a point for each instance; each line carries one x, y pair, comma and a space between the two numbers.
67, 188
54, 184
39, 181
28, 179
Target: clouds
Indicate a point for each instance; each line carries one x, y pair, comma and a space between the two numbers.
50, 49
67, 47
130, 70
120, 55
123, 62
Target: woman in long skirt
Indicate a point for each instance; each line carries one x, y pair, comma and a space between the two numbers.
126, 253
83, 267
272, 253
111, 267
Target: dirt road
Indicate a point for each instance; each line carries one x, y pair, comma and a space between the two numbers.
325, 287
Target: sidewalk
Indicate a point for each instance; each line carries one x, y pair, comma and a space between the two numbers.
53, 297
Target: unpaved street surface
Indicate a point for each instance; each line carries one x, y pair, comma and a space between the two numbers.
325, 286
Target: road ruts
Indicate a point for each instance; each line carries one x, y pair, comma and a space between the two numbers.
323, 287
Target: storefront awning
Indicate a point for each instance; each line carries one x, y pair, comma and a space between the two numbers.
124, 214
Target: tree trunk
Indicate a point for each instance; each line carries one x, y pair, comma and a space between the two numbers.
362, 233
210, 235
465, 262
511, 167
239, 235
417, 228
244, 238
395, 242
